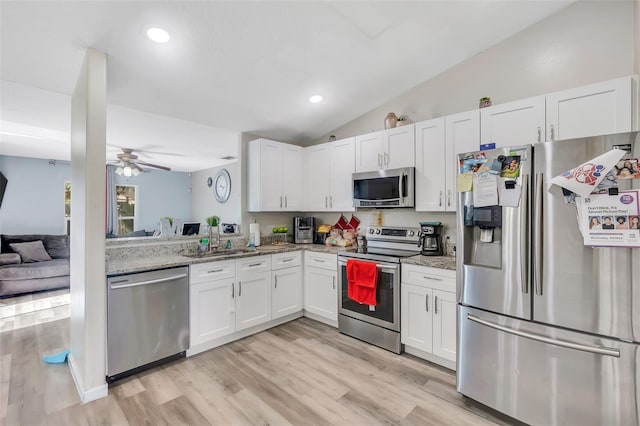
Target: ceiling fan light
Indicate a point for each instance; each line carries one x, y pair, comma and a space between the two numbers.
127, 171
135, 171
119, 171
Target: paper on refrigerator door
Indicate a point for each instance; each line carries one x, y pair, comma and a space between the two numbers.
584, 178
509, 197
485, 191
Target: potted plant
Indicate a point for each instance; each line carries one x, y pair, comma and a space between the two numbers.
402, 120
485, 102
332, 138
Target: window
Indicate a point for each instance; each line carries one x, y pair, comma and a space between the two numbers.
126, 203
67, 207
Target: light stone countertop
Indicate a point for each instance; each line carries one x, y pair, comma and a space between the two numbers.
441, 262
134, 264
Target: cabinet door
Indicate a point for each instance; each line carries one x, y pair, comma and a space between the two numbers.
444, 324
416, 317
292, 177
430, 165
462, 134
514, 123
317, 186
271, 195
342, 167
211, 310
286, 297
399, 147
597, 109
320, 292
368, 152
253, 300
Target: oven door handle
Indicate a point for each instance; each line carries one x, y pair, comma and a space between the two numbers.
342, 262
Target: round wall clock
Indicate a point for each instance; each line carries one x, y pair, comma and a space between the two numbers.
222, 185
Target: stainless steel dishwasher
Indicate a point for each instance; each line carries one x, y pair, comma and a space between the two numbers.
147, 320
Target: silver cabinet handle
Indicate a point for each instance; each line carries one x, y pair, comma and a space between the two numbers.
426, 302
431, 278
287, 260
601, 350
233, 290
386, 158
239, 288
524, 239
379, 159
334, 283
253, 265
539, 134
537, 236
552, 133
213, 271
140, 283
440, 202
449, 197
318, 260
275, 278
331, 201
435, 304
281, 201
285, 201
326, 201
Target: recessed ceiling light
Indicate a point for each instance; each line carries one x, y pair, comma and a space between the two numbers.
158, 35
315, 99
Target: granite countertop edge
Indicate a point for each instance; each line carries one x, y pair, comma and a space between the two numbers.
440, 262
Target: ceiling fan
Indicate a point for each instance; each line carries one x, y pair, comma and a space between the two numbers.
129, 165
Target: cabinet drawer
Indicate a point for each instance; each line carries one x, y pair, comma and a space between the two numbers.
211, 271
252, 265
321, 260
286, 260
439, 279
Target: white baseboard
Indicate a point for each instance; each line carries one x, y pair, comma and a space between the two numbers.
321, 319
241, 334
430, 357
91, 394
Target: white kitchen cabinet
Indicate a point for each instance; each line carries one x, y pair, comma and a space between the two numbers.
286, 279
596, 109
275, 176
428, 313
329, 169
462, 134
321, 286
430, 165
211, 301
514, 123
253, 291
388, 149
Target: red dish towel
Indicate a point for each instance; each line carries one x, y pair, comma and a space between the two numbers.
362, 278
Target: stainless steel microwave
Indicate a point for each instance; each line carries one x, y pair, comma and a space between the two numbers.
384, 188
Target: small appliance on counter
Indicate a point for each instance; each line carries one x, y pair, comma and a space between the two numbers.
303, 230
431, 239
321, 234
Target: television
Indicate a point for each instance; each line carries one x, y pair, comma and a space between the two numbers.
3, 186
191, 228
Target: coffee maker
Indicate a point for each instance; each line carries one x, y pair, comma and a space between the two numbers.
431, 239
303, 229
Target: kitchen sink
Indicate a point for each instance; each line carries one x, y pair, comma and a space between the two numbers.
222, 252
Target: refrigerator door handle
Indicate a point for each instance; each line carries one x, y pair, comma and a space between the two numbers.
537, 242
524, 241
601, 350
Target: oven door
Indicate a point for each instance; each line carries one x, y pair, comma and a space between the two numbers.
386, 313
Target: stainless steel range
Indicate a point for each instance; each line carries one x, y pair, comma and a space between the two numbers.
379, 324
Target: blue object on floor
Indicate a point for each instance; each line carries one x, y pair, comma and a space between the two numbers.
58, 358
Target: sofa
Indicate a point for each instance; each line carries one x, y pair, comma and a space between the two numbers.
22, 274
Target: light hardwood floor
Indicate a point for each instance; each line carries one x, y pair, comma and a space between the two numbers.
299, 373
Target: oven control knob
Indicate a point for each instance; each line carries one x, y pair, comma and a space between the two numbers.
377, 231
411, 233
371, 231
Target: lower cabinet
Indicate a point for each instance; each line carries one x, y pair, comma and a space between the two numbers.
428, 313
212, 310
321, 286
253, 301
286, 293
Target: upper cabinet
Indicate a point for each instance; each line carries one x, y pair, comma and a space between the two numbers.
596, 109
275, 176
438, 143
388, 149
514, 123
329, 169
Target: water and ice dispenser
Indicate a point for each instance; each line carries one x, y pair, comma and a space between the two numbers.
483, 235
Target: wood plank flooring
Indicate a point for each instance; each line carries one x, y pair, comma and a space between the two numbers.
300, 373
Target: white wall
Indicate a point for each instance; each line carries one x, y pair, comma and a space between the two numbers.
203, 200
34, 198
587, 42
160, 193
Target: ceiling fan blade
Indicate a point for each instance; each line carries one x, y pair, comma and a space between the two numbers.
154, 166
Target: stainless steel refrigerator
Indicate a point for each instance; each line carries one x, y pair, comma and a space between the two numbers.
548, 329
